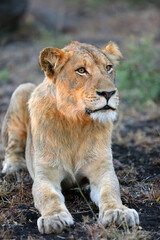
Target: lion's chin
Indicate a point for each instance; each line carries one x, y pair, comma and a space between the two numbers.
104, 116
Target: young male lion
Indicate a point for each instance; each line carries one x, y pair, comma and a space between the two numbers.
65, 133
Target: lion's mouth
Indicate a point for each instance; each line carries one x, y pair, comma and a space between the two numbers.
106, 107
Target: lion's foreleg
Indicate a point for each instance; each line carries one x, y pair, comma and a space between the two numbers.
49, 200
105, 193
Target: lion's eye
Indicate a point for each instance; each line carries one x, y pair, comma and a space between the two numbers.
109, 68
81, 70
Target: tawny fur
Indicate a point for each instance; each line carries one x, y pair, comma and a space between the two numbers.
48, 125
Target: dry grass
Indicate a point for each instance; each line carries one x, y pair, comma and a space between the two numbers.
96, 231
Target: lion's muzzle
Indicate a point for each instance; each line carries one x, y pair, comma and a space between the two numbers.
106, 107
107, 95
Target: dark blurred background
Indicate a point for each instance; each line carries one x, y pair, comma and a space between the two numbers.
28, 26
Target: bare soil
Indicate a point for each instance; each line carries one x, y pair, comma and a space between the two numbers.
136, 139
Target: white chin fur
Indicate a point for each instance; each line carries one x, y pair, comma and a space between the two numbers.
107, 116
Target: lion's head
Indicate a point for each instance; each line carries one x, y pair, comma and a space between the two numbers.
84, 79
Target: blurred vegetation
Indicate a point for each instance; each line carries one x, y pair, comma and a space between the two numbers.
94, 4
50, 38
143, 2
88, 3
140, 72
4, 75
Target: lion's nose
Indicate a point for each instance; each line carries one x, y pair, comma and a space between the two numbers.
106, 94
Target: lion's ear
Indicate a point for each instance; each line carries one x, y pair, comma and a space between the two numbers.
51, 60
113, 53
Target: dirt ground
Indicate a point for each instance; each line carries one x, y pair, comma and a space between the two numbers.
136, 139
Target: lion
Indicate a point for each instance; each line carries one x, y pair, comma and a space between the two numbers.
61, 130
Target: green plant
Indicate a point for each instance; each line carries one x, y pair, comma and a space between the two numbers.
140, 72
4, 75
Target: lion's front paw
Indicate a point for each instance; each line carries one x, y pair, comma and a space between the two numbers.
55, 223
119, 217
